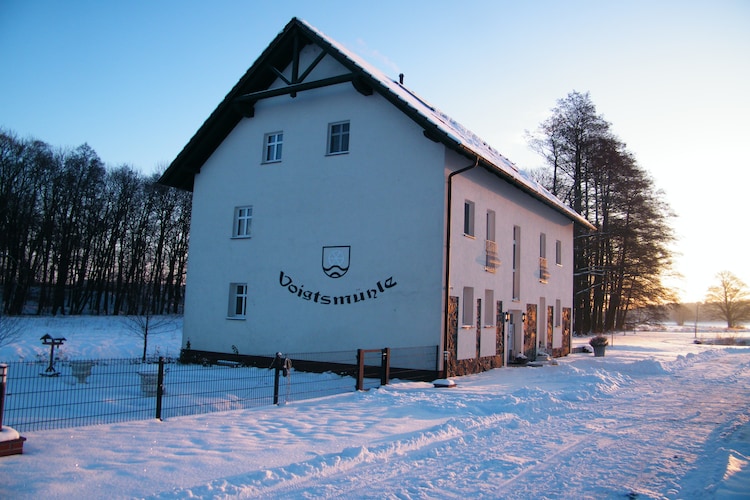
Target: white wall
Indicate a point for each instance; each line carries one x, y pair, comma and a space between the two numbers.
512, 208
384, 199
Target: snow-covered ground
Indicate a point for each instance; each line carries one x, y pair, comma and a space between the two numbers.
657, 417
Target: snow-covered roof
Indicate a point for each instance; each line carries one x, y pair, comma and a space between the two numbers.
441, 126
462, 136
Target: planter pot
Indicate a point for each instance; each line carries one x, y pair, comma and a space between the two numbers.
81, 370
149, 383
11, 443
599, 350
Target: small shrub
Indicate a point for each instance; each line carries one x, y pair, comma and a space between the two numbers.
599, 340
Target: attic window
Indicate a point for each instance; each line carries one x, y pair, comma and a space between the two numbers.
338, 138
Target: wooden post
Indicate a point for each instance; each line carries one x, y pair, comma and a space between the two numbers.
360, 369
385, 366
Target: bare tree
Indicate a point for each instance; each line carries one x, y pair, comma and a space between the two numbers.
620, 266
729, 300
83, 238
148, 324
10, 329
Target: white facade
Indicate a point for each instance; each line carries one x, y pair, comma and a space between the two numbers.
273, 209
531, 224
379, 201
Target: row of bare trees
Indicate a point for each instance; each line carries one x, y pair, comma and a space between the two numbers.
78, 237
620, 266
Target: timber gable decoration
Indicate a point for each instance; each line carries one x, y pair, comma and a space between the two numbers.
297, 82
284, 52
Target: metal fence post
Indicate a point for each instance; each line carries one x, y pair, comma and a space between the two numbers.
159, 387
360, 369
3, 380
385, 366
276, 373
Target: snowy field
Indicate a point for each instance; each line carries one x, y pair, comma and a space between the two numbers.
657, 417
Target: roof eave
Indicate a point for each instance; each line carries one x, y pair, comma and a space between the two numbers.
181, 172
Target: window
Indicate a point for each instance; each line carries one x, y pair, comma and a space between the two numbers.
243, 218
489, 307
237, 300
272, 149
468, 218
542, 245
558, 252
516, 263
557, 313
467, 317
490, 225
338, 138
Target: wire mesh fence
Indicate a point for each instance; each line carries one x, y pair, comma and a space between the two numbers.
37, 399
101, 391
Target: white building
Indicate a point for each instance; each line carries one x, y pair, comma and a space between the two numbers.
323, 197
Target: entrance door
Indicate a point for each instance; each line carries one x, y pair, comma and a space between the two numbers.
511, 339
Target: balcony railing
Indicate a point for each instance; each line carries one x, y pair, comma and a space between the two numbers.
492, 261
543, 270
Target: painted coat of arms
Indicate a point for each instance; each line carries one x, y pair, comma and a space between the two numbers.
336, 260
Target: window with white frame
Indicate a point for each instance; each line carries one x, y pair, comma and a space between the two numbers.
237, 300
558, 252
469, 218
243, 218
558, 319
338, 138
272, 147
467, 318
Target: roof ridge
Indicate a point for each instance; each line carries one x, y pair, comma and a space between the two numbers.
446, 129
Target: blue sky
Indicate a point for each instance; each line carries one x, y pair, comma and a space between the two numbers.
136, 79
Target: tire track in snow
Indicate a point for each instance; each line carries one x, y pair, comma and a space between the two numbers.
671, 439
337, 468
396, 470
646, 432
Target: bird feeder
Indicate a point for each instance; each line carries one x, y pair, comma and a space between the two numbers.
52, 342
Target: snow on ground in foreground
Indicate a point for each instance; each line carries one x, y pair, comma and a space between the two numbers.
657, 417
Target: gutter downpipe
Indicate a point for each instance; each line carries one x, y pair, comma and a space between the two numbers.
446, 296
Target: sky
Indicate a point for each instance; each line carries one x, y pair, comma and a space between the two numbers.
585, 427
135, 80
